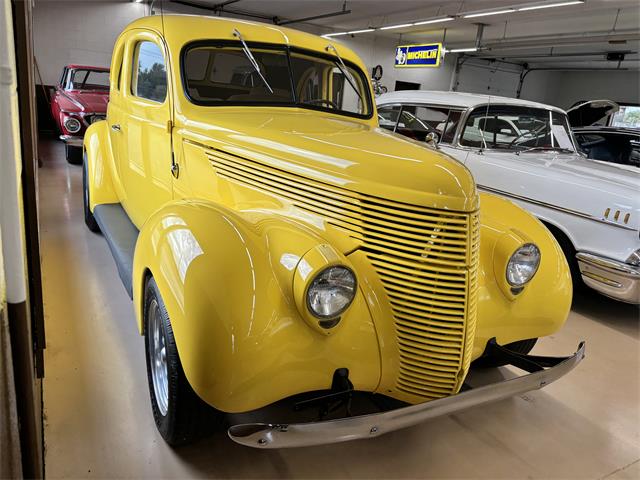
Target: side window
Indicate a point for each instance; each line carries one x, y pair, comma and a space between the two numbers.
452, 125
388, 116
149, 73
433, 117
64, 74
417, 121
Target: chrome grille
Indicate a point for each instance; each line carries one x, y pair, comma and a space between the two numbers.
427, 260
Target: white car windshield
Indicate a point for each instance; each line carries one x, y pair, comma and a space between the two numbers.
519, 128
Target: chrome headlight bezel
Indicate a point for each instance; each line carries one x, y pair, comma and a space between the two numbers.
73, 130
519, 258
334, 276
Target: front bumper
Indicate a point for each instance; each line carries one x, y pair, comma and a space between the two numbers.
72, 140
265, 435
612, 278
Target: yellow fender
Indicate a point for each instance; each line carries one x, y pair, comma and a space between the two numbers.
227, 280
100, 163
542, 307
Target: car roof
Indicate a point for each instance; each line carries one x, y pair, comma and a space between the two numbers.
456, 99
186, 28
75, 66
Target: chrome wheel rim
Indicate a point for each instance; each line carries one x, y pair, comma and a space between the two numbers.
158, 357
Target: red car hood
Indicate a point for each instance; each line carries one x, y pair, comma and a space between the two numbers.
86, 101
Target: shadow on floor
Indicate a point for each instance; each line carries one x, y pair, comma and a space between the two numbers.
623, 317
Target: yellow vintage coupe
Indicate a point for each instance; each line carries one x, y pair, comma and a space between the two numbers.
277, 244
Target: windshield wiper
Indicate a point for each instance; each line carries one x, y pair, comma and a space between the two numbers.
251, 58
555, 149
343, 69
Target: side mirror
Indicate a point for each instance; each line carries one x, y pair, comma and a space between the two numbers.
376, 73
432, 139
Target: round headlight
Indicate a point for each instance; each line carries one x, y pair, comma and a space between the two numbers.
523, 265
72, 125
330, 293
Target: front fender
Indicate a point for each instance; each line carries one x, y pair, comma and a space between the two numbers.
99, 157
227, 282
543, 306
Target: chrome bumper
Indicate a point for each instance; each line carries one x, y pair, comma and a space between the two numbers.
71, 140
265, 435
612, 278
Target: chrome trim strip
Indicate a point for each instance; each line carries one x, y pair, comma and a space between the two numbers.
620, 268
553, 207
265, 435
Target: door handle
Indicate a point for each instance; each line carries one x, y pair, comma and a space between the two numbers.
115, 127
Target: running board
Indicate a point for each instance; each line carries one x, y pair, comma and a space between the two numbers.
121, 236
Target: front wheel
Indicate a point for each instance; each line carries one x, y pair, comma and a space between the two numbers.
180, 415
73, 154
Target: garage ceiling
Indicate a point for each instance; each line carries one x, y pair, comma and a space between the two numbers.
572, 36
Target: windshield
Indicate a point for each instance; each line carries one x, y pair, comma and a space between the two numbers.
515, 127
628, 116
225, 75
85, 79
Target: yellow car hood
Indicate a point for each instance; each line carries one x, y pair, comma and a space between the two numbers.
339, 151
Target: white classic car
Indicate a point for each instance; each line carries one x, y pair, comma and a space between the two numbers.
525, 151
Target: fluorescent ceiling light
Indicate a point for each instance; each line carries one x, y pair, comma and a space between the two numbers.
337, 34
435, 20
458, 50
397, 26
361, 31
484, 14
550, 5
138, 1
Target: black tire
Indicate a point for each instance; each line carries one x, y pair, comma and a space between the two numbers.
184, 417
89, 219
73, 154
521, 346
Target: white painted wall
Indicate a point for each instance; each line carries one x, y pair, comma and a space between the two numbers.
622, 86
78, 32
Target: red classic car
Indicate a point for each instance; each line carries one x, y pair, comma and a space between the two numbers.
80, 98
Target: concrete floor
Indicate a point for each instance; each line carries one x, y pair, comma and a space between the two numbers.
99, 422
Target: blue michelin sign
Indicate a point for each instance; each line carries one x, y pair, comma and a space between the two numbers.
427, 55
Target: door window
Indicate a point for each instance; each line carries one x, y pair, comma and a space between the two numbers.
417, 121
452, 125
388, 116
149, 74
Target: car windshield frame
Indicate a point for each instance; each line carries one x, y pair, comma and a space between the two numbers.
518, 148
70, 85
287, 50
